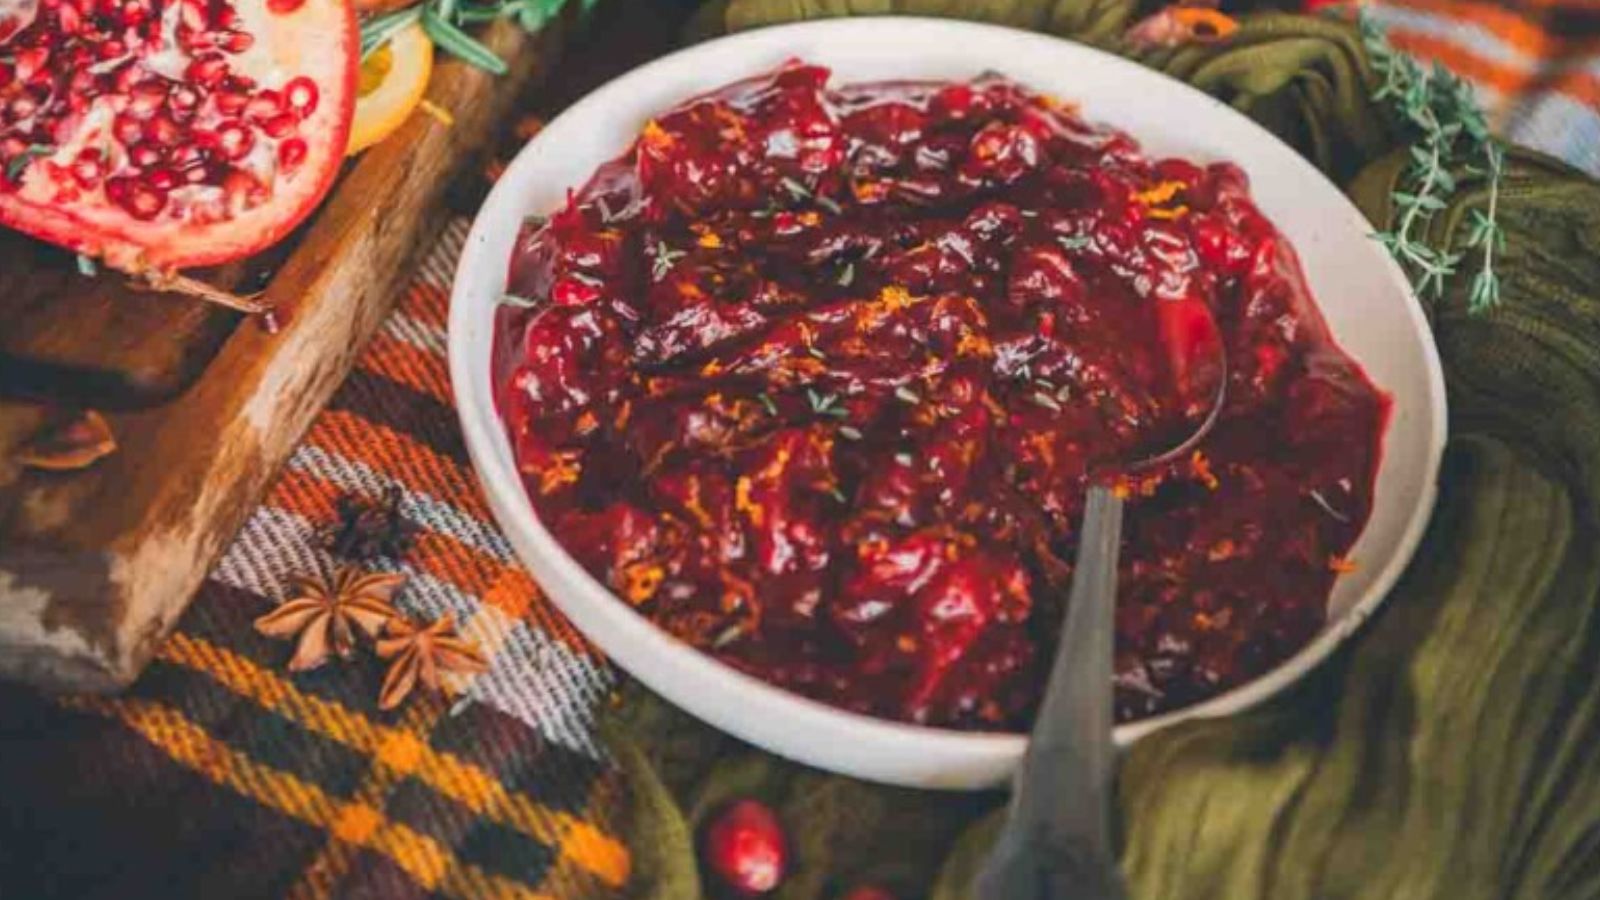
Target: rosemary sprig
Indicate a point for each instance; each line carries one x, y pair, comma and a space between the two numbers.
447, 35
445, 21
1442, 115
376, 32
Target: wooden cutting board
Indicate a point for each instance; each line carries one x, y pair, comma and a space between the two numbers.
96, 565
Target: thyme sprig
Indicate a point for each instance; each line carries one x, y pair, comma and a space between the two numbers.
1449, 132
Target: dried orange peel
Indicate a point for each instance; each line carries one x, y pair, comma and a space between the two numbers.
392, 82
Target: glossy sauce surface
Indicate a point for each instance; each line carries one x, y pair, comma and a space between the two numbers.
813, 377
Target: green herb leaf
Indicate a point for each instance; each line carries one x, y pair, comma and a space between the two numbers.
377, 32
19, 163
772, 408
458, 43
665, 259
1449, 135
87, 267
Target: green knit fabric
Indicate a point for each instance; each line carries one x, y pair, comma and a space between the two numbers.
1450, 750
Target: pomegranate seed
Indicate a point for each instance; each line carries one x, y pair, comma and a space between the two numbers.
88, 168
11, 147
225, 17
746, 847
126, 129
68, 20
196, 174
301, 94
234, 140
22, 107
263, 106
122, 80
291, 154
147, 98
117, 189
238, 41
81, 85
184, 97
242, 191
79, 55
280, 126
162, 130
141, 201
194, 41
111, 48
144, 155
188, 155
162, 179
206, 70
133, 13
8, 74
30, 62
282, 7
230, 103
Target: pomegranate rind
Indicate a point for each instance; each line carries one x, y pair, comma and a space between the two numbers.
320, 40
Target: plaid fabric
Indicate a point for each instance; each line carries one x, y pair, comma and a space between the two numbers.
1536, 64
220, 775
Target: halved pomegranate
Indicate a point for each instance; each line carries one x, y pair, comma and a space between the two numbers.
163, 134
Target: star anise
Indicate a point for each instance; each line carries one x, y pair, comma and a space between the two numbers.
420, 653
327, 615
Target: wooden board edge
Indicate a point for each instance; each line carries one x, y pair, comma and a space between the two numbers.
62, 631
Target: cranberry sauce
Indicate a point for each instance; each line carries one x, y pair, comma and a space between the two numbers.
812, 376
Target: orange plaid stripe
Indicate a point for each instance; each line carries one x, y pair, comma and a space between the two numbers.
422, 858
399, 749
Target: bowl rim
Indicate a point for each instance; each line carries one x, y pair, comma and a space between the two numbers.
597, 606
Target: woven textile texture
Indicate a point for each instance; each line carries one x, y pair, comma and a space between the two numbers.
1536, 64
221, 775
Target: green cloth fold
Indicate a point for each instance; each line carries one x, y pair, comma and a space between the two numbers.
1450, 749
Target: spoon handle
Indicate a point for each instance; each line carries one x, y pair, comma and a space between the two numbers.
1057, 839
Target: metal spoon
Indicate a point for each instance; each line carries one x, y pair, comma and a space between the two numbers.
1056, 842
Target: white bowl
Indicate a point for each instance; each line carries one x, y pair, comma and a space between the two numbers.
1362, 293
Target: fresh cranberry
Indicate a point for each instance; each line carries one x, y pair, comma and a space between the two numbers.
746, 847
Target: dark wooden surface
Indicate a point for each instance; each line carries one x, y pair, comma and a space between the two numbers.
96, 565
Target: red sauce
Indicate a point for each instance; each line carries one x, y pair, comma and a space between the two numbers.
813, 376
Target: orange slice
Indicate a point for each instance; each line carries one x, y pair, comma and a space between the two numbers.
392, 81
